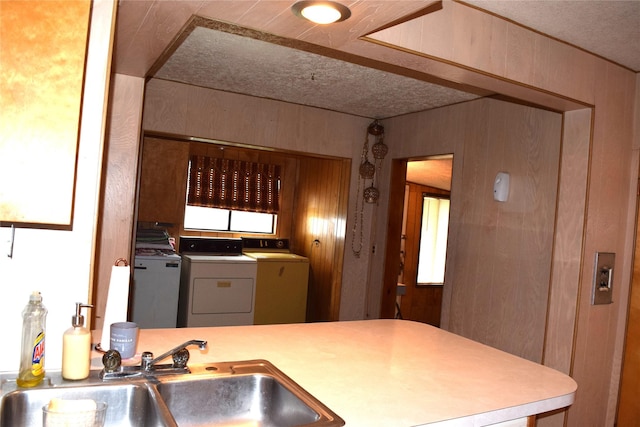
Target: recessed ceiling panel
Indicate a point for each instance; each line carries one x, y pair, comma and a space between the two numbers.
234, 63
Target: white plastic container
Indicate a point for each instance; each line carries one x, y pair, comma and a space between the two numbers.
76, 348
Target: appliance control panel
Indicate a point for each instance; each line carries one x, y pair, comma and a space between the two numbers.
257, 244
210, 246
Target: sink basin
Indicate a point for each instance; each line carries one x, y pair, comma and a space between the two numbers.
251, 393
228, 394
128, 404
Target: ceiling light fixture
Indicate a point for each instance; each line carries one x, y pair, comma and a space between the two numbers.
321, 12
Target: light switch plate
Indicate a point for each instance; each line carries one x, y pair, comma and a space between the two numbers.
603, 278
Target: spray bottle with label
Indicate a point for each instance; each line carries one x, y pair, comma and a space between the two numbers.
34, 318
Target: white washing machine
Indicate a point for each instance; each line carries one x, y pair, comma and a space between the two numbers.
281, 283
156, 284
217, 283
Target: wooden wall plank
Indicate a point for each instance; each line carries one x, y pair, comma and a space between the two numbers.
501, 251
118, 186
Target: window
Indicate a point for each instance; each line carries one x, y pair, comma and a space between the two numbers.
231, 195
201, 218
433, 240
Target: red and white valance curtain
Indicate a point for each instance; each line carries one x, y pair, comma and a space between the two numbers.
233, 184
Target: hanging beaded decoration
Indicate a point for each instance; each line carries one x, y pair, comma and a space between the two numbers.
367, 171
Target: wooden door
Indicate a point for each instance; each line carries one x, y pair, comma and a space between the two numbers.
422, 303
320, 212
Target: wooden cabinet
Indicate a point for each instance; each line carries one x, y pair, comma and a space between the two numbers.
42, 46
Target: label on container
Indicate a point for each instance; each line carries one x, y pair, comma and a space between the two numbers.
37, 358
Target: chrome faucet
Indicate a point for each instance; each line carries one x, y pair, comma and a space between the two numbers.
113, 368
179, 354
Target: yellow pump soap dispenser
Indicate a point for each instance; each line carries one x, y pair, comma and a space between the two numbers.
76, 348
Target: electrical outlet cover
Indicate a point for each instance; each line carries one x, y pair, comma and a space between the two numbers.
602, 291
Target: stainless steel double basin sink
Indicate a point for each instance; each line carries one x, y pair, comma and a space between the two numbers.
247, 393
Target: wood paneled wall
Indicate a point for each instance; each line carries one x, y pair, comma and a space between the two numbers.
499, 254
499, 55
503, 262
121, 157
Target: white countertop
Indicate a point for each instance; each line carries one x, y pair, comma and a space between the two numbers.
387, 373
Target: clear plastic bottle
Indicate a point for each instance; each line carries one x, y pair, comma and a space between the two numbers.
34, 318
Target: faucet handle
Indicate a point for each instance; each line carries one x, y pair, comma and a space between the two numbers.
111, 361
180, 358
146, 361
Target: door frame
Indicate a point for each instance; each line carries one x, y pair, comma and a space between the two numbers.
394, 234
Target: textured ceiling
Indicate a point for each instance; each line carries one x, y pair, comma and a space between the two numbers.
235, 63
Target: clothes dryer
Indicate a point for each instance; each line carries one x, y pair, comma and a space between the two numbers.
217, 284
